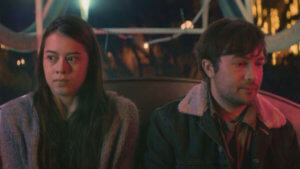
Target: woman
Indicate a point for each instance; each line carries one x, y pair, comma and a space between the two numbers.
69, 121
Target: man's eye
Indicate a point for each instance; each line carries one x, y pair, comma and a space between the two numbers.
259, 63
241, 64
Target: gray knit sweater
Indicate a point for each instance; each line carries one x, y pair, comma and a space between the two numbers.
19, 134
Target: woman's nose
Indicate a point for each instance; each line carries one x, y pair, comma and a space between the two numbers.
62, 66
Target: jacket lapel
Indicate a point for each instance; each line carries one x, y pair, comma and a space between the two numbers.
208, 125
263, 139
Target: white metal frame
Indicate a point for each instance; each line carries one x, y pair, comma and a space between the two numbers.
246, 9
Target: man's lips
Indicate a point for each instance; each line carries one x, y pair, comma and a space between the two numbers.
249, 87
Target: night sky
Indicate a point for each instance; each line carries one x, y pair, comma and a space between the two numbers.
18, 14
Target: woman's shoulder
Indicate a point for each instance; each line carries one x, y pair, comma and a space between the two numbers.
18, 121
125, 108
17, 107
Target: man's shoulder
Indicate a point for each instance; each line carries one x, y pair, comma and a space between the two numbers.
170, 113
169, 108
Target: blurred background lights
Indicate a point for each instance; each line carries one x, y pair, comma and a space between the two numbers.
187, 25
146, 45
84, 8
3, 47
21, 62
271, 21
109, 54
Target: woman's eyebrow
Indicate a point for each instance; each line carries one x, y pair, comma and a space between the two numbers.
73, 53
51, 51
68, 53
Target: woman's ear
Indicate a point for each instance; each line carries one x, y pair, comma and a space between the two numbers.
208, 68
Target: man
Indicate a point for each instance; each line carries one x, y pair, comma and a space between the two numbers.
224, 122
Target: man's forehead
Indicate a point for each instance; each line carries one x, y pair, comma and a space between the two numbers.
252, 55
258, 52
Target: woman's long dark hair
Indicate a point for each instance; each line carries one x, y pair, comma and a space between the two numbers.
90, 120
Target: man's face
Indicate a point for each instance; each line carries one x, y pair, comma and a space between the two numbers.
238, 79
65, 63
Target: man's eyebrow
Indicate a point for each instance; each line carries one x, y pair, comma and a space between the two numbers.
261, 58
239, 57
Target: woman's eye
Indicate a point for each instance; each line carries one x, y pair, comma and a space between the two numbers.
51, 58
71, 59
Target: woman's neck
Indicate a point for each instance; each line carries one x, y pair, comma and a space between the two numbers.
66, 105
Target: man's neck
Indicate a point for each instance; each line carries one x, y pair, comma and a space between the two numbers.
226, 112
229, 114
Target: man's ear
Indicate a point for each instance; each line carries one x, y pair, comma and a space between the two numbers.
208, 68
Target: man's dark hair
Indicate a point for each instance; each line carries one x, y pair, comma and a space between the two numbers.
228, 36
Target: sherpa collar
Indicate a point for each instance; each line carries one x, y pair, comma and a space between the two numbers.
195, 103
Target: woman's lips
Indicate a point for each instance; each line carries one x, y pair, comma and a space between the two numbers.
61, 82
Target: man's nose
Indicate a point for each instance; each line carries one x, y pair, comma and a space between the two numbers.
250, 72
62, 66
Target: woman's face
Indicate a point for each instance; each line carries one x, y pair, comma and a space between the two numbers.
65, 63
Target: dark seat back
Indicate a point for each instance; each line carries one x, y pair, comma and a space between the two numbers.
150, 93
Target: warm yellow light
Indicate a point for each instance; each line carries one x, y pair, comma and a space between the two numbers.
146, 45
294, 7
23, 61
288, 14
259, 12
265, 28
274, 57
187, 25
109, 54
254, 10
286, 1
275, 21
259, 8
273, 31
296, 3
18, 62
265, 12
2, 46
294, 49
259, 21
